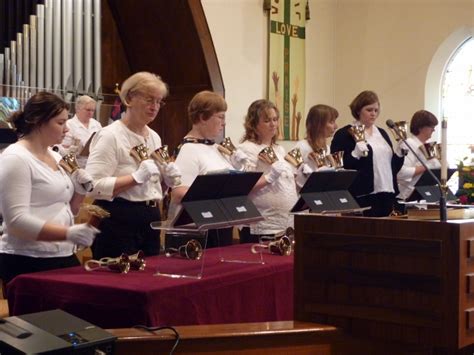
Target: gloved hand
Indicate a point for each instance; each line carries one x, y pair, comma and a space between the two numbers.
74, 149
145, 171
401, 149
361, 150
278, 168
82, 180
239, 159
302, 174
172, 174
325, 168
81, 234
433, 163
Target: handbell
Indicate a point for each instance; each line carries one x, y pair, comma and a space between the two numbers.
268, 155
140, 153
294, 157
70, 165
226, 147
400, 130
336, 160
95, 214
282, 246
137, 261
162, 157
319, 157
357, 132
192, 250
431, 150
120, 264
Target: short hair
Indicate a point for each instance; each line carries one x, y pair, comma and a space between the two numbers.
316, 120
365, 98
257, 110
38, 110
142, 82
204, 104
422, 119
83, 100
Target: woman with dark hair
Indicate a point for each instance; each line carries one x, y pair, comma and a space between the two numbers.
130, 190
274, 194
422, 126
376, 160
198, 154
38, 199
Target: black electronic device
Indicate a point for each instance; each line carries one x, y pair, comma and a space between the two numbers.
219, 200
53, 332
327, 191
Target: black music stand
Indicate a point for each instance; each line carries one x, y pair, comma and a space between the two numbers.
427, 188
213, 201
327, 192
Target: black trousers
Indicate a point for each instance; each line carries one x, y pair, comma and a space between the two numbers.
381, 204
127, 230
215, 238
12, 265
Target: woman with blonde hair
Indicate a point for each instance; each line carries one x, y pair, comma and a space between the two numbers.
128, 189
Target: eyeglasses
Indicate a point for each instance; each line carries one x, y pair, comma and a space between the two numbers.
152, 101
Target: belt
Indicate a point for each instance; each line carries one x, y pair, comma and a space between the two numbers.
148, 203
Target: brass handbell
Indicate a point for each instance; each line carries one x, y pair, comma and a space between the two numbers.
282, 246
357, 132
399, 129
336, 160
95, 214
226, 147
431, 150
192, 250
140, 153
294, 157
137, 260
162, 157
319, 157
120, 264
268, 155
70, 165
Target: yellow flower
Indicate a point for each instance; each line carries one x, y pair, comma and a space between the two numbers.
466, 168
468, 185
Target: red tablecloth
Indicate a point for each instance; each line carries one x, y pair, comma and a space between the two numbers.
227, 293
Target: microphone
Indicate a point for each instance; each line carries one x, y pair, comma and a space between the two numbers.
442, 199
390, 123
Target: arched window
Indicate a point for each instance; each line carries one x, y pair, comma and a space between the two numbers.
457, 101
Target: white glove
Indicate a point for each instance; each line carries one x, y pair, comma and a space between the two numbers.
433, 164
81, 234
172, 174
239, 159
145, 171
83, 182
278, 168
74, 149
361, 150
401, 149
302, 174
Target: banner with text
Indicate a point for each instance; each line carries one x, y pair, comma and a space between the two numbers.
286, 65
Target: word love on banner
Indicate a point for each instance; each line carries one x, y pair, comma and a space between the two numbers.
286, 69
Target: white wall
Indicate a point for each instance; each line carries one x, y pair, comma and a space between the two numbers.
351, 45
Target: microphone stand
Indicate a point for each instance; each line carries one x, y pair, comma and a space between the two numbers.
443, 213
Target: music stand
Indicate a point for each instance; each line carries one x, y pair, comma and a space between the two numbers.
327, 192
215, 201
426, 188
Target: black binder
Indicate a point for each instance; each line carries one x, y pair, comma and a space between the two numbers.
327, 191
427, 188
219, 200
